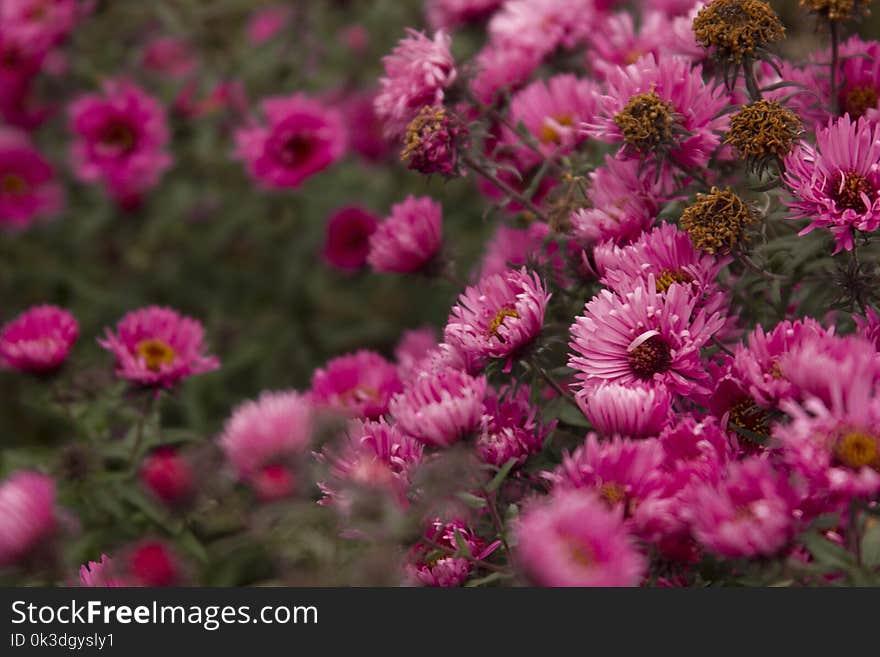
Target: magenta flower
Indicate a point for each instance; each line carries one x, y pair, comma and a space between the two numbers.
38, 340
409, 239
449, 14
264, 24
29, 189
440, 407
642, 336
836, 184
99, 574
302, 137
747, 513
374, 454
572, 539
696, 449
347, 238
617, 43
40, 23
120, 140
447, 570
542, 26
686, 111
623, 203
359, 384
552, 112
501, 68
263, 436
510, 427
27, 514
632, 411
158, 347
499, 316
417, 72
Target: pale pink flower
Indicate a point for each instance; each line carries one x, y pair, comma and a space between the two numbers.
38, 340
27, 514
359, 384
632, 411
409, 238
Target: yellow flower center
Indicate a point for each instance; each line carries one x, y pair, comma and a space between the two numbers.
498, 321
668, 277
612, 493
647, 122
155, 353
550, 134
857, 450
580, 553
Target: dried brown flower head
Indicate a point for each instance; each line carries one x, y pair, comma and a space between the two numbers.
836, 10
716, 222
737, 29
648, 123
763, 132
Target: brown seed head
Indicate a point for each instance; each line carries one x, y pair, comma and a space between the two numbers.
763, 131
716, 222
737, 29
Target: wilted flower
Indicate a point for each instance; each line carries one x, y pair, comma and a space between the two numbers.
38, 340
158, 347
763, 132
836, 10
572, 539
716, 222
737, 29
433, 140
302, 137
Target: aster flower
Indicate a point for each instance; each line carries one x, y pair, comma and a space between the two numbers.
661, 108
634, 411
551, 111
510, 427
668, 254
169, 476
409, 238
374, 454
616, 41
757, 365
836, 184
121, 138
347, 237
449, 14
858, 92
572, 539
513, 247
301, 137
716, 222
38, 340
869, 326
499, 316
365, 129
642, 336
623, 203
439, 407
412, 348
501, 68
39, 22
429, 566
749, 512
696, 448
151, 563
99, 574
417, 72
262, 437
158, 347
29, 189
433, 140
27, 514
763, 132
359, 384
542, 26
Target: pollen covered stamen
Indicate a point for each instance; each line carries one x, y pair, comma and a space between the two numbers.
858, 100
647, 122
498, 321
550, 133
668, 277
650, 357
155, 353
857, 450
848, 190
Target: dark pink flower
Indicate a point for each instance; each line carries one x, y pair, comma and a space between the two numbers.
169, 476
38, 340
409, 238
446, 570
510, 427
347, 238
29, 189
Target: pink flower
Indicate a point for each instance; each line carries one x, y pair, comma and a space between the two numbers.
38, 340
440, 407
29, 189
502, 69
859, 91
169, 476
302, 137
262, 437
696, 448
618, 43
27, 514
409, 238
837, 183
347, 237
869, 326
417, 72
170, 57
373, 454
757, 366
499, 316
412, 348
552, 112
152, 563
447, 570
510, 427
668, 254
158, 347
572, 539
120, 140
359, 384
43, 23
449, 14
513, 247
263, 25
99, 574
747, 513
690, 110
623, 203
642, 336
633, 411
542, 26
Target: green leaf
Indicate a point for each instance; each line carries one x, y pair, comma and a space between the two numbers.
473, 501
870, 547
463, 548
499, 478
488, 579
829, 554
